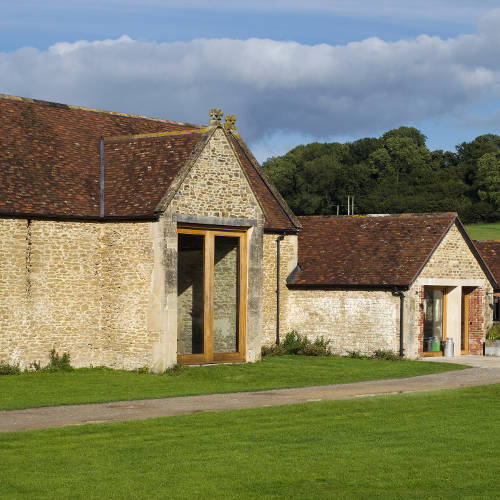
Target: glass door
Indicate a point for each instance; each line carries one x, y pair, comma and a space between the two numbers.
434, 320
211, 295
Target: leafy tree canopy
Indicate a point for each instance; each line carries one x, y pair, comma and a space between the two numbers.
393, 173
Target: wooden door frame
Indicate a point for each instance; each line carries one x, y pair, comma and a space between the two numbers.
209, 234
466, 291
445, 314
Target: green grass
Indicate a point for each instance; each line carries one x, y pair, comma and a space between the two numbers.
434, 445
484, 231
30, 390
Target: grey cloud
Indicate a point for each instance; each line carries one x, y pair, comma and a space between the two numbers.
319, 91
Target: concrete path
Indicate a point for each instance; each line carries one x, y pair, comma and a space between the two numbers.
58, 416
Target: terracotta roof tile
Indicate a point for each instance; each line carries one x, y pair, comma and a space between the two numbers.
49, 155
490, 252
50, 162
367, 250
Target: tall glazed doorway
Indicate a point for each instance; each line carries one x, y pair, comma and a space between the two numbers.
211, 295
434, 320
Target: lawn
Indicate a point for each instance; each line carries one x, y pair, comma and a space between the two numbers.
484, 231
433, 445
30, 390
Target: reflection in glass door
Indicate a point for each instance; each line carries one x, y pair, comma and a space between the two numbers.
434, 320
211, 295
226, 294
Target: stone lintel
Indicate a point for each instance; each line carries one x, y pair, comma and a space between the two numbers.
450, 282
214, 221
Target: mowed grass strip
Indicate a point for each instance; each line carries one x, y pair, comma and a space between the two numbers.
91, 385
489, 231
433, 445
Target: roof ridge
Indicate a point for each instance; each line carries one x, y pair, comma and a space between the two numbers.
381, 216
152, 135
93, 110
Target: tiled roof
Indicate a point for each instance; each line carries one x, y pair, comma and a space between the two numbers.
367, 250
490, 252
49, 155
139, 171
278, 214
50, 162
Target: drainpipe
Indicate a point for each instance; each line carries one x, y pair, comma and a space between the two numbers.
101, 181
278, 240
401, 295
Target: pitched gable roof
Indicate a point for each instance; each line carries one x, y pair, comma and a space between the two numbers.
490, 252
50, 162
367, 250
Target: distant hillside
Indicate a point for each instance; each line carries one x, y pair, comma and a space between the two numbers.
391, 174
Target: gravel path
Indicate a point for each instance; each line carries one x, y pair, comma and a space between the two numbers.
484, 372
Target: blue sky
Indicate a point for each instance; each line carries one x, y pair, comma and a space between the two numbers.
291, 71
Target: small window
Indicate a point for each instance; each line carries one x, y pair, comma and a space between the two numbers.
496, 308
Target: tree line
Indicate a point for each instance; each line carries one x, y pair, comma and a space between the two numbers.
394, 173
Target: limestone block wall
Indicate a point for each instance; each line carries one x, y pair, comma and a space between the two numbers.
216, 187
81, 287
453, 266
353, 320
288, 261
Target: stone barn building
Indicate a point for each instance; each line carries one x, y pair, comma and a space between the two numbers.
130, 241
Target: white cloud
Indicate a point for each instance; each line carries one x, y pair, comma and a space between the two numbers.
319, 91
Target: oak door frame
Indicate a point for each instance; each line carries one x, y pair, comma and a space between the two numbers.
445, 316
208, 355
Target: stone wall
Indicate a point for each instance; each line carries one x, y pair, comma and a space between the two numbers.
216, 188
454, 267
288, 261
351, 319
80, 287
366, 320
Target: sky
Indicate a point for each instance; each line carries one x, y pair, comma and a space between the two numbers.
291, 71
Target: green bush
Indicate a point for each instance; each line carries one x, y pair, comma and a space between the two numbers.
272, 350
355, 355
387, 355
493, 332
294, 342
58, 363
6, 369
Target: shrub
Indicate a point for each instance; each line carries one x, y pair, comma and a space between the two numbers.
314, 350
59, 363
294, 342
6, 369
387, 355
493, 332
272, 350
355, 355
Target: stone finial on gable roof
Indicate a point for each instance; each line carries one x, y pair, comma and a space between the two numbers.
216, 115
229, 124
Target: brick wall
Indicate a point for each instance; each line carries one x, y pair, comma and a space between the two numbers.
476, 321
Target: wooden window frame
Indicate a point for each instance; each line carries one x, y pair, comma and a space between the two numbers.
445, 316
208, 356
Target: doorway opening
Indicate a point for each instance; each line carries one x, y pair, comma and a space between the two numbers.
434, 320
211, 295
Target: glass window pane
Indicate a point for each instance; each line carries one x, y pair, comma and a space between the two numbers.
190, 294
433, 319
226, 294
